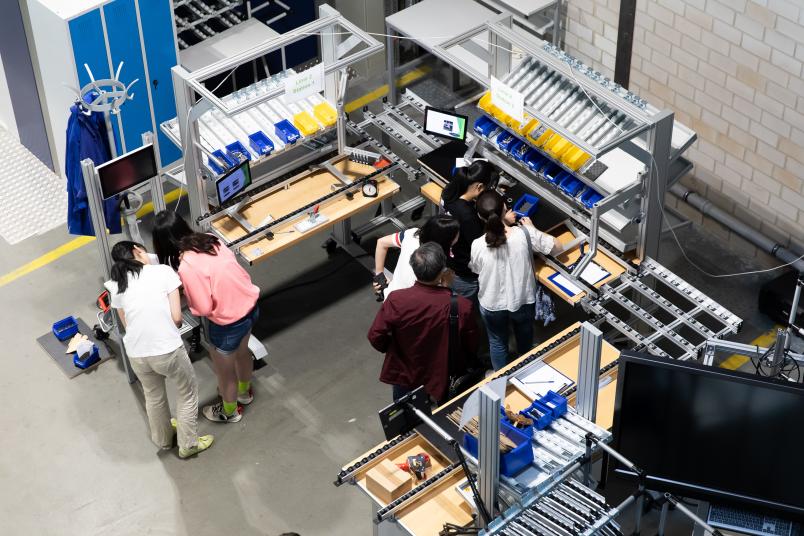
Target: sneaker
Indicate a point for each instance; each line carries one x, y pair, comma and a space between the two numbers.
215, 413
204, 442
247, 397
174, 423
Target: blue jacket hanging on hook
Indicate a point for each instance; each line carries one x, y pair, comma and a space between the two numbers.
86, 138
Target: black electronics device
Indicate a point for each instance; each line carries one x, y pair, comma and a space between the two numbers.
445, 124
710, 433
398, 418
233, 182
127, 171
776, 298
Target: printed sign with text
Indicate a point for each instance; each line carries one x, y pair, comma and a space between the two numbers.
306, 83
507, 99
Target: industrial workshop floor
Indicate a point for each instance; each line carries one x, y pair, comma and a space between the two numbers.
76, 456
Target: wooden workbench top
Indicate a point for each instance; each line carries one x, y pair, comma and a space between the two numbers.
302, 190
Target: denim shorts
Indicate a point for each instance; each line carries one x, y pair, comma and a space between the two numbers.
227, 338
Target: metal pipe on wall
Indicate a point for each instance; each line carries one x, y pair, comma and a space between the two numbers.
707, 208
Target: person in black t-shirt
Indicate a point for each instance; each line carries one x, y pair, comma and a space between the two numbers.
458, 199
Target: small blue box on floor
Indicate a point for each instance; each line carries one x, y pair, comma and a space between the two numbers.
526, 206
512, 462
236, 149
88, 360
65, 328
286, 132
260, 143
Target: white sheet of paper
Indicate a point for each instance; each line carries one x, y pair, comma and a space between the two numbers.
537, 382
567, 284
594, 273
471, 408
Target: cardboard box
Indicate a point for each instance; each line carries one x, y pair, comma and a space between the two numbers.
388, 482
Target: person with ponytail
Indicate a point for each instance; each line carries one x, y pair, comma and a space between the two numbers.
503, 258
146, 297
218, 288
458, 199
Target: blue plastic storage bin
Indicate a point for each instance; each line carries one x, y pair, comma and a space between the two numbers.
553, 173
87, 361
65, 328
223, 158
590, 197
570, 185
504, 140
526, 206
533, 159
513, 462
260, 143
234, 150
515, 147
521, 152
485, 126
287, 132
547, 409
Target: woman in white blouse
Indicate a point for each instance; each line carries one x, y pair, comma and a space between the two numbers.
503, 262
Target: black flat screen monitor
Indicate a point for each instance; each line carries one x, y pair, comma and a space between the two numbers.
127, 171
233, 182
712, 434
445, 124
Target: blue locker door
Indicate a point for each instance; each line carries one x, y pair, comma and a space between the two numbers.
123, 33
89, 47
160, 51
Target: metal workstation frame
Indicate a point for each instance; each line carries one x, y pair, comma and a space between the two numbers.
341, 44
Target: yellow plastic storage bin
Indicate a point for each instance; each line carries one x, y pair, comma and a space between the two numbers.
325, 114
305, 123
575, 158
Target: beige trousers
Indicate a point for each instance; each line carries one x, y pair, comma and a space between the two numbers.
152, 372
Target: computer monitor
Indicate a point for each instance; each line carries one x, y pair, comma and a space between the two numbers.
444, 124
233, 182
711, 434
127, 171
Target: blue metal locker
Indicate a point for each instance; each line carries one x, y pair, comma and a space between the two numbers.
89, 47
157, 32
123, 33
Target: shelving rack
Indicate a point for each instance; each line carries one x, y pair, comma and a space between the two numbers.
341, 45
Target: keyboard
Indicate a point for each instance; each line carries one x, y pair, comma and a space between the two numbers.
723, 517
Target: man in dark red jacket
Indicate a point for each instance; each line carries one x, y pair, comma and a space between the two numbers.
412, 328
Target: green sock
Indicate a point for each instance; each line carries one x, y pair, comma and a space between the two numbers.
229, 407
243, 387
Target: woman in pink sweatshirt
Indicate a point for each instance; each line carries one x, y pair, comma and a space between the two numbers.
218, 288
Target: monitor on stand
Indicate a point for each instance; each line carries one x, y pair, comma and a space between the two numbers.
127, 171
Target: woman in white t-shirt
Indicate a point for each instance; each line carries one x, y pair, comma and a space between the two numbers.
503, 262
443, 230
146, 297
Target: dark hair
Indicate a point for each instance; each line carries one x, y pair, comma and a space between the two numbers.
439, 229
172, 236
428, 261
479, 171
124, 263
491, 208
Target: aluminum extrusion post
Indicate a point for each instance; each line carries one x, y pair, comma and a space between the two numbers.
342, 78
791, 319
489, 448
329, 52
155, 184
390, 64
650, 227
95, 202
557, 24
188, 129
500, 53
589, 371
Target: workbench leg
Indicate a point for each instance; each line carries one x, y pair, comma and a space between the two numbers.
342, 232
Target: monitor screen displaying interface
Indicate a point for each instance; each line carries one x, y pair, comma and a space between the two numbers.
444, 124
127, 171
712, 434
233, 182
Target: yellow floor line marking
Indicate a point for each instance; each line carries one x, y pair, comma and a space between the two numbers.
734, 361
46, 259
171, 196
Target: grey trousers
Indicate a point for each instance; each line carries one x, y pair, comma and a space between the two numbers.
152, 372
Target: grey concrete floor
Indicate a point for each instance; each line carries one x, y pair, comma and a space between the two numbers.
76, 456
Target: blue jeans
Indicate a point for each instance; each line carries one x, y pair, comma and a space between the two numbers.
497, 323
466, 287
226, 339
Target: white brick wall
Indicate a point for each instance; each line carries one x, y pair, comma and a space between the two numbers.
733, 70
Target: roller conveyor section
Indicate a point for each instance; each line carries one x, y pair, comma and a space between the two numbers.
258, 132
